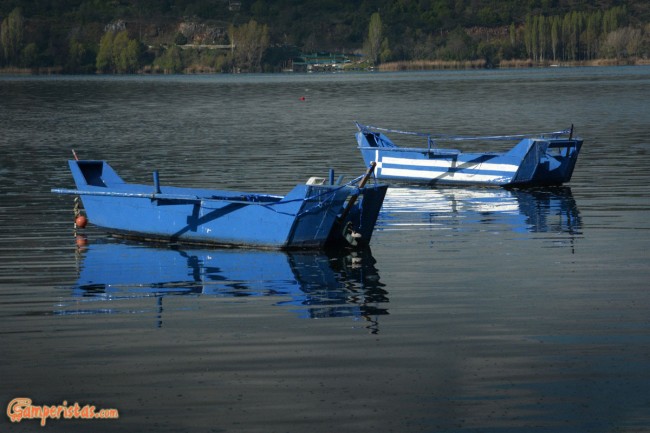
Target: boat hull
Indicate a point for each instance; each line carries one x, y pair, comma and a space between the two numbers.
531, 162
306, 218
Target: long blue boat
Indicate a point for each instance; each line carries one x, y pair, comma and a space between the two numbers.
535, 160
315, 215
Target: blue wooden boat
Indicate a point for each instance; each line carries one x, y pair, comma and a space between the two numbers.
535, 160
314, 215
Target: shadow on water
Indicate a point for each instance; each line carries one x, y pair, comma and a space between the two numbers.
311, 284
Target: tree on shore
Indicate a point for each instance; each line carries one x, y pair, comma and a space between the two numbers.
84, 36
372, 45
622, 43
126, 53
581, 36
104, 60
170, 61
117, 53
76, 55
249, 42
11, 37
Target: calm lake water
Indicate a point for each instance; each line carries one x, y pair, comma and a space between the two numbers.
476, 310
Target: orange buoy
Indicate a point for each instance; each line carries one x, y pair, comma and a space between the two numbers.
302, 98
81, 221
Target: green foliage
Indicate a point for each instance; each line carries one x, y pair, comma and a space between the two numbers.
117, 53
105, 54
77, 57
74, 34
125, 53
30, 57
384, 51
580, 35
250, 41
459, 46
372, 45
170, 62
11, 36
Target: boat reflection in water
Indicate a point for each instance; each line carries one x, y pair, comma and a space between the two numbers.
313, 284
540, 210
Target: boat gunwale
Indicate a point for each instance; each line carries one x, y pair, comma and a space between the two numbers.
433, 151
297, 205
543, 136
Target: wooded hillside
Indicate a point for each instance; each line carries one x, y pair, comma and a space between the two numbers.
120, 36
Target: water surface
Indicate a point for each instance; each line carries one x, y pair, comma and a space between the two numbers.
475, 309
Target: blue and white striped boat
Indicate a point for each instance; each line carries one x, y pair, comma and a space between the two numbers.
536, 160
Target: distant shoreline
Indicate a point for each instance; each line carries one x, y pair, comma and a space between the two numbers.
423, 65
407, 65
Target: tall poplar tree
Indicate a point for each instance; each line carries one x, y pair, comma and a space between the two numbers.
125, 53
528, 36
556, 27
11, 36
373, 43
542, 28
104, 60
250, 41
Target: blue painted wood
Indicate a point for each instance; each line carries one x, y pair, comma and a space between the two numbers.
309, 216
536, 159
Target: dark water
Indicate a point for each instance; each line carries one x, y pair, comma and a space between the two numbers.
476, 310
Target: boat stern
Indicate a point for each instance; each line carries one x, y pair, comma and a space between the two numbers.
548, 162
357, 227
557, 164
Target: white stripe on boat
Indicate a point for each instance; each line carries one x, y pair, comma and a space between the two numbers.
446, 164
422, 174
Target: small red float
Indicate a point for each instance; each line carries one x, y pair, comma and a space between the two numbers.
81, 221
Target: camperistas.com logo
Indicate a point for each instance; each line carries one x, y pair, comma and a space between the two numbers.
22, 408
